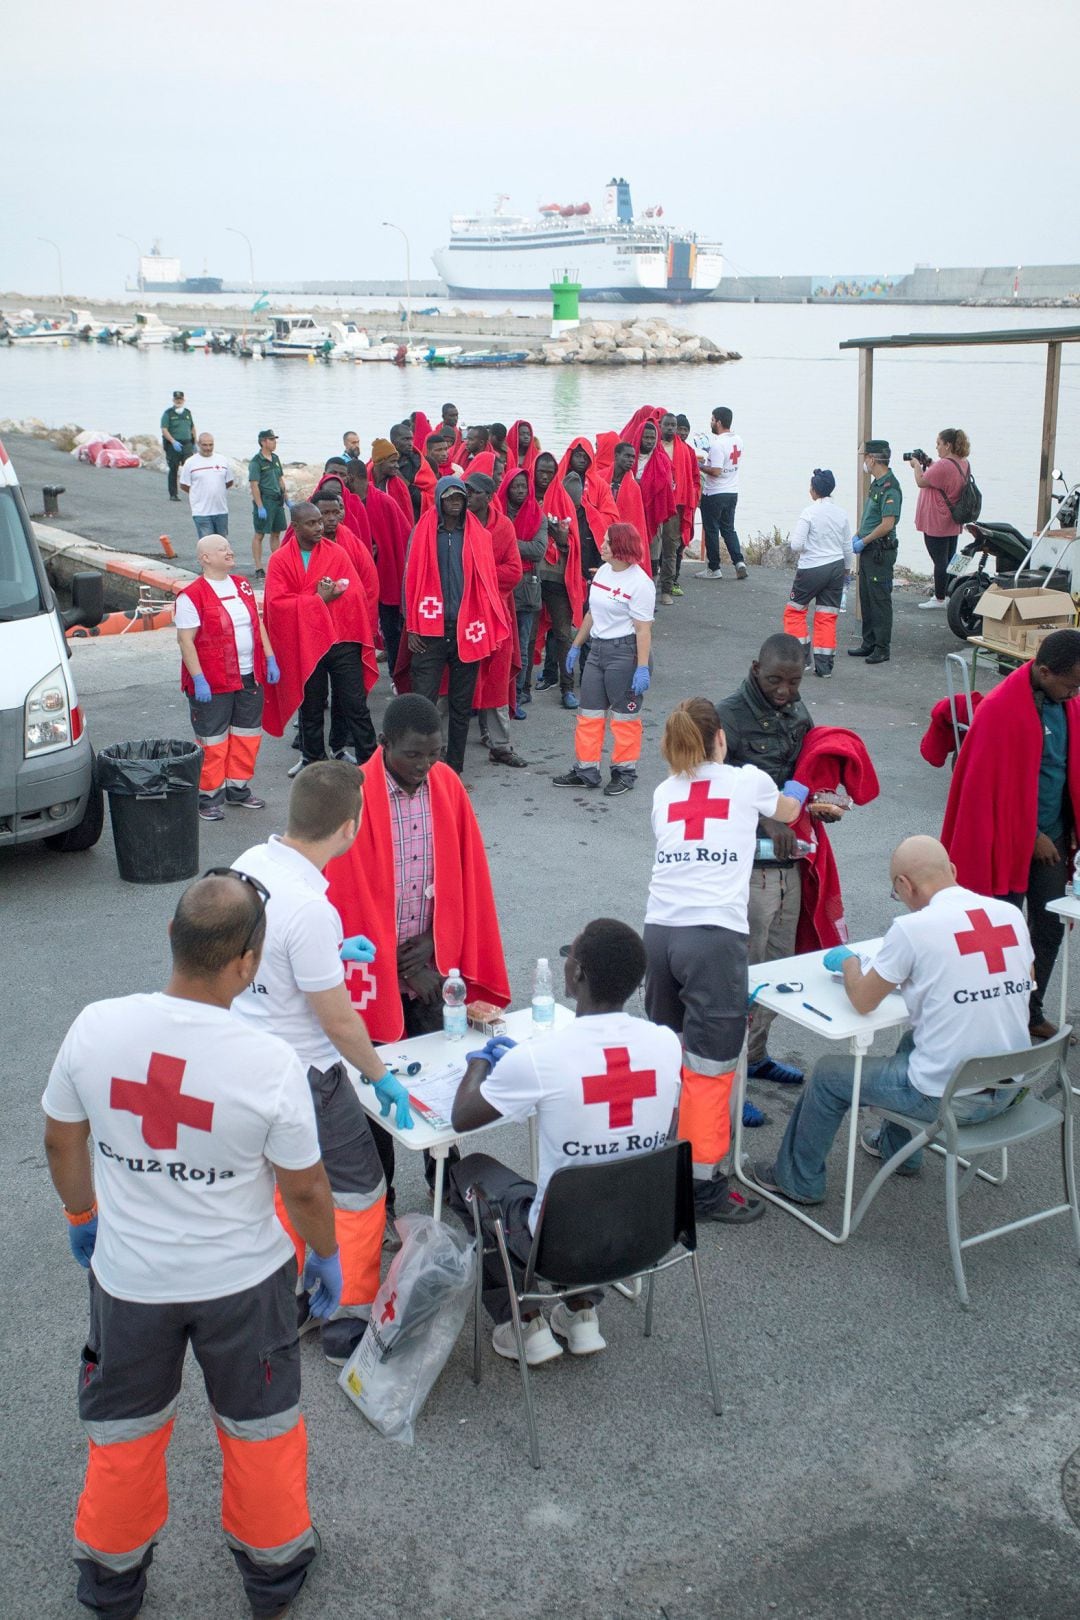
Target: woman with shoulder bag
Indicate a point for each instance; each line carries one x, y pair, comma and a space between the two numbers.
940, 483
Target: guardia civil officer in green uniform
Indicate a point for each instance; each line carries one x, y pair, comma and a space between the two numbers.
269, 514
177, 438
876, 545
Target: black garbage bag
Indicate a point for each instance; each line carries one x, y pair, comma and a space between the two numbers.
153, 788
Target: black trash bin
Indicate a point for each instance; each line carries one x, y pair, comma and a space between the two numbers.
153, 789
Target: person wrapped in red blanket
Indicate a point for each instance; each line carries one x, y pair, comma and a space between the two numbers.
615, 460
322, 637
496, 682
390, 536
562, 588
384, 471
597, 511
523, 445
1013, 812
336, 476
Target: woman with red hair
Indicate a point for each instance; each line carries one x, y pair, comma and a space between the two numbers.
618, 628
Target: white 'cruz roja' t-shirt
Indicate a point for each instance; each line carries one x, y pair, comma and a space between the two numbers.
606, 1085
963, 967
186, 617
620, 599
720, 468
188, 1111
301, 953
207, 478
706, 829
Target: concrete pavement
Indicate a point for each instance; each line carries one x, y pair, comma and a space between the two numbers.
881, 1452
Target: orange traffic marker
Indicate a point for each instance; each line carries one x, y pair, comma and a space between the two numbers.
166, 545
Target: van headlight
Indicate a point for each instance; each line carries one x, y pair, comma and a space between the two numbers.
47, 716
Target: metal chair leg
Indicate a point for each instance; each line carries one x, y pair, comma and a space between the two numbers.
1070, 1174
648, 1305
519, 1340
478, 1293
706, 1335
952, 1221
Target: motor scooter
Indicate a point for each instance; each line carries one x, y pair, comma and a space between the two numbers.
1013, 554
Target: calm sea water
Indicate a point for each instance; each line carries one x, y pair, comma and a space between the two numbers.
793, 394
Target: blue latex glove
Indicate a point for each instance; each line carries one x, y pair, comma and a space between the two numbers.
322, 1279
571, 659
82, 1239
357, 949
835, 958
858, 545
796, 790
492, 1050
642, 680
202, 689
273, 673
392, 1094
260, 512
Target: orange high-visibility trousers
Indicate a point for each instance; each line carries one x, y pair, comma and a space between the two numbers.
705, 1114
825, 630
589, 738
626, 738
795, 618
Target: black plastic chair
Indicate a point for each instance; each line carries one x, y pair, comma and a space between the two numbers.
599, 1224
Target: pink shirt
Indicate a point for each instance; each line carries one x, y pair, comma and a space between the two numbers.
944, 481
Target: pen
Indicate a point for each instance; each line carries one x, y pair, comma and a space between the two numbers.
827, 1016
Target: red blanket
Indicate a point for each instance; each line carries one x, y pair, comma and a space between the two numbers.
830, 758
992, 814
939, 740
355, 516
302, 627
657, 481
421, 429
365, 569
481, 621
390, 532
557, 504
398, 490
598, 501
466, 925
515, 456
497, 676
687, 487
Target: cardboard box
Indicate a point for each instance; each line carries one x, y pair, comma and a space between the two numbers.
1019, 619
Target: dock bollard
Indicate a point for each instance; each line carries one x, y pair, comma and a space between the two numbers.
49, 496
166, 545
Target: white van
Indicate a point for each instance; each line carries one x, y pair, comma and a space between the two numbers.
47, 786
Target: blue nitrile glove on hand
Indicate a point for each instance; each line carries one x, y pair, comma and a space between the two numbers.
392, 1094
322, 1279
357, 949
273, 673
492, 1050
835, 958
642, 680
796, 790
202, 689
82, 1239
571, 659
858, 545
260, 512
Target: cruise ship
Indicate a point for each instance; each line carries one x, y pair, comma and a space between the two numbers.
613, 255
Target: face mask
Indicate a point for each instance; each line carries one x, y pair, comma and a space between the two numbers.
866, 466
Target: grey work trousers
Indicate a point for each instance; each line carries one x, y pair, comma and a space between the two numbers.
670, 540
773, 915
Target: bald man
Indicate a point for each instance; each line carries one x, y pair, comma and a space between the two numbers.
963, 964
205, 479
227, 660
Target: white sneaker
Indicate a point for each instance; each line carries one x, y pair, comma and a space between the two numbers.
580, 1329
709, 573
539, 1344
932, 602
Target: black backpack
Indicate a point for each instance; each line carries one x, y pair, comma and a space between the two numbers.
968, 504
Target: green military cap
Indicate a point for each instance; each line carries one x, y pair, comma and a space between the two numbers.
877, 447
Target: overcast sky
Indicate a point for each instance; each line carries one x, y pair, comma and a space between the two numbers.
804, 137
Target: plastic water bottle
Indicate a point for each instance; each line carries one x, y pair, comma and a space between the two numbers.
454, 1019
543, 1001
1076, 877
843, 600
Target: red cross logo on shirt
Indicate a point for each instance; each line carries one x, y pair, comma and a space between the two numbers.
430, 607
159, 1103
986, 940
360, 983
476, 631
735, 455
619, 1086
389, 1314
696, 809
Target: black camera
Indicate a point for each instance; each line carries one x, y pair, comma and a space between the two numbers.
918, 455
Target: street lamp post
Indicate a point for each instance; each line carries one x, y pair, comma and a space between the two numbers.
390, 226
59, 262
251, 255
138, 262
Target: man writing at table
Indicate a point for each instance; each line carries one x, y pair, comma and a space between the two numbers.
963, 964
607, 1084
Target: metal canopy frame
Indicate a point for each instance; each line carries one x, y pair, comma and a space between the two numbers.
1052, 336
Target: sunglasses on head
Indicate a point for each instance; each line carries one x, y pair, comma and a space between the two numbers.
262, 896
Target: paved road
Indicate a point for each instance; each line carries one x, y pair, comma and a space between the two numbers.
881, 1453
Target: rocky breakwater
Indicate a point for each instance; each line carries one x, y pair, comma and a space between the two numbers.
630, 343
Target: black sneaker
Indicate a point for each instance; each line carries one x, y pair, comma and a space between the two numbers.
545, 685
572, 779
211, 812
619, 784
720, 1201
340, 1338
870, 1142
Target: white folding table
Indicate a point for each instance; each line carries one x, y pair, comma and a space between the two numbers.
434, 1052
1067, 907
822, 1006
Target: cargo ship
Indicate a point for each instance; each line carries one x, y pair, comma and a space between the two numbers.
613, 255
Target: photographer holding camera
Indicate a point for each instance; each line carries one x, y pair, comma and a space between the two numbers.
940, 483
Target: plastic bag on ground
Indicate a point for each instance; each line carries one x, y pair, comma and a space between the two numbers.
417, 1315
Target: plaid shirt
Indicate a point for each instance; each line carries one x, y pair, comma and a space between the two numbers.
414, 858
